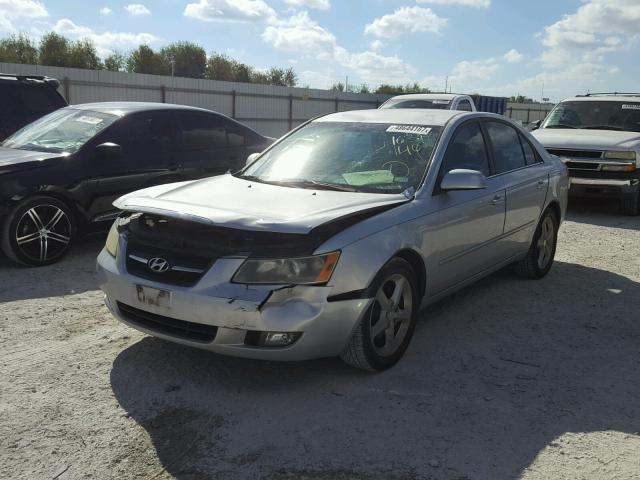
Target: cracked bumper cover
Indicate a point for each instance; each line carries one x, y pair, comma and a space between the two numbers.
235, 309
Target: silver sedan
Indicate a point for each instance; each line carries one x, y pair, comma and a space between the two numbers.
334, 238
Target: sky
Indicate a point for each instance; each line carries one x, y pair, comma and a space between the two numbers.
537, 48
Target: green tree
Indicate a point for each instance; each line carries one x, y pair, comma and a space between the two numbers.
364, 88
116, 62
290, 78
241, 72
144, 60
186, 59
260, 77
82, 54
18, 49
337, 87
54, 50
220, 67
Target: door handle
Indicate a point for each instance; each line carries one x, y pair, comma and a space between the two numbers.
497, 200
541, 184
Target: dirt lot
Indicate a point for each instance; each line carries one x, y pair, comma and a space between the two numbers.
507, 379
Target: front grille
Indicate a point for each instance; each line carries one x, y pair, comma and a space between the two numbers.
177, 328
575, 153
571, 165
184, 269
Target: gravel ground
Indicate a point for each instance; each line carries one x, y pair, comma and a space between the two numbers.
506, 379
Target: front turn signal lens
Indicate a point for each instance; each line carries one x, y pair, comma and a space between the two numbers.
620, 155
111, 244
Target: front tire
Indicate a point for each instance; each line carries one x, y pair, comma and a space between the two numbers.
630, 204
383, 335
542, 251
39, 231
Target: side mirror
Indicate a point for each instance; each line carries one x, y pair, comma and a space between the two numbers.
534, 125
251, 158
461, 179
108, 151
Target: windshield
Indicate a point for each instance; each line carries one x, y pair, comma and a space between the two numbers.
377, 158
64, 130
605, 115
430, 104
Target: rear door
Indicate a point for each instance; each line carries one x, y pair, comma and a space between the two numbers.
37, 100
148, 157
467, 225
525, 178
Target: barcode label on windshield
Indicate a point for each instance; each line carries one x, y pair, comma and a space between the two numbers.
415, 129
631, 106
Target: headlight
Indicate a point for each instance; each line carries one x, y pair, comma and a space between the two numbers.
112, 240
615, 155
300, 271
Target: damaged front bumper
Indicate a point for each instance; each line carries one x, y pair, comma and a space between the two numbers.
223, 317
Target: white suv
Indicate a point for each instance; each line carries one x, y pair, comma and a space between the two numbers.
598, 137
438, 101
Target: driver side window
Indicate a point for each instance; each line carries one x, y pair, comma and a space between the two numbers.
467, 150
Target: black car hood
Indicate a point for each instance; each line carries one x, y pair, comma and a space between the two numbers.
15, 159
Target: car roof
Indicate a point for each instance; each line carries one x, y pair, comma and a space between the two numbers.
126, 108
413, 116
604, 98
427, 96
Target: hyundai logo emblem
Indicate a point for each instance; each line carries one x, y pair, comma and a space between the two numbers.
158, 265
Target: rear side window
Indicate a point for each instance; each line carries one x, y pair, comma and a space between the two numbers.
529, 153
465, 106
467, 150
202, 132
40, 99
506, 147
150, 130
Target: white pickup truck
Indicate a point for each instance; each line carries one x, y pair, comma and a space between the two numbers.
597, 136
440, 101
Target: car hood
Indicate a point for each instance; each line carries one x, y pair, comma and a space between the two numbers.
16, 159
587, 139
232, 202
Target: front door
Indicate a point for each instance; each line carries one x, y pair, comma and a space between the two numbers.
464, 230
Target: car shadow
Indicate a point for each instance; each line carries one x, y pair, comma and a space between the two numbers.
75, 273
494, 375
604, 212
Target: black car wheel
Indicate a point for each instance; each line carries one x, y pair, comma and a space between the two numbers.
630, 204
542, 251
385, 330
39, 231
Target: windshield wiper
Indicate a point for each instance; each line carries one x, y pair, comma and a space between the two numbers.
602, 127
560, 125
318, 185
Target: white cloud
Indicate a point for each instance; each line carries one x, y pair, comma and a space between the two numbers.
376, 45
137, 9
317, 4
595, 29
106, 42
513, 56
466, 3
230, 10
478, 69
404, 20
11, 10
300, 34
105, 11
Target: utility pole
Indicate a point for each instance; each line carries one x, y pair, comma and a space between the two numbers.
446, 83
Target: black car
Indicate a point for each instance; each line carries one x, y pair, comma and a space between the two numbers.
60, 174
25, 98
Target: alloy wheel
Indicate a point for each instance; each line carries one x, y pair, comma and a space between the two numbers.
43, 233
391, 315
546, 242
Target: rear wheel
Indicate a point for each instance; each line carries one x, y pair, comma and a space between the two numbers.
39, 231
385, 331
542, 251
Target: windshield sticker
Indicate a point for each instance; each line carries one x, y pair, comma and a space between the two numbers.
441, 102
415, 129
631, 106
88, 119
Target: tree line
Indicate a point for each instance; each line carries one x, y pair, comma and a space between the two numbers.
383, 89
180, 59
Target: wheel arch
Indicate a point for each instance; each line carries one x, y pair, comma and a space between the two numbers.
416, 261
554, 206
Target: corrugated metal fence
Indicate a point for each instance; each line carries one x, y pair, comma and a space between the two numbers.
271, 110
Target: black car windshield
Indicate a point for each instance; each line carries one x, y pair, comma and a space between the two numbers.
360, 157
64, 130
595, 115
430, 104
